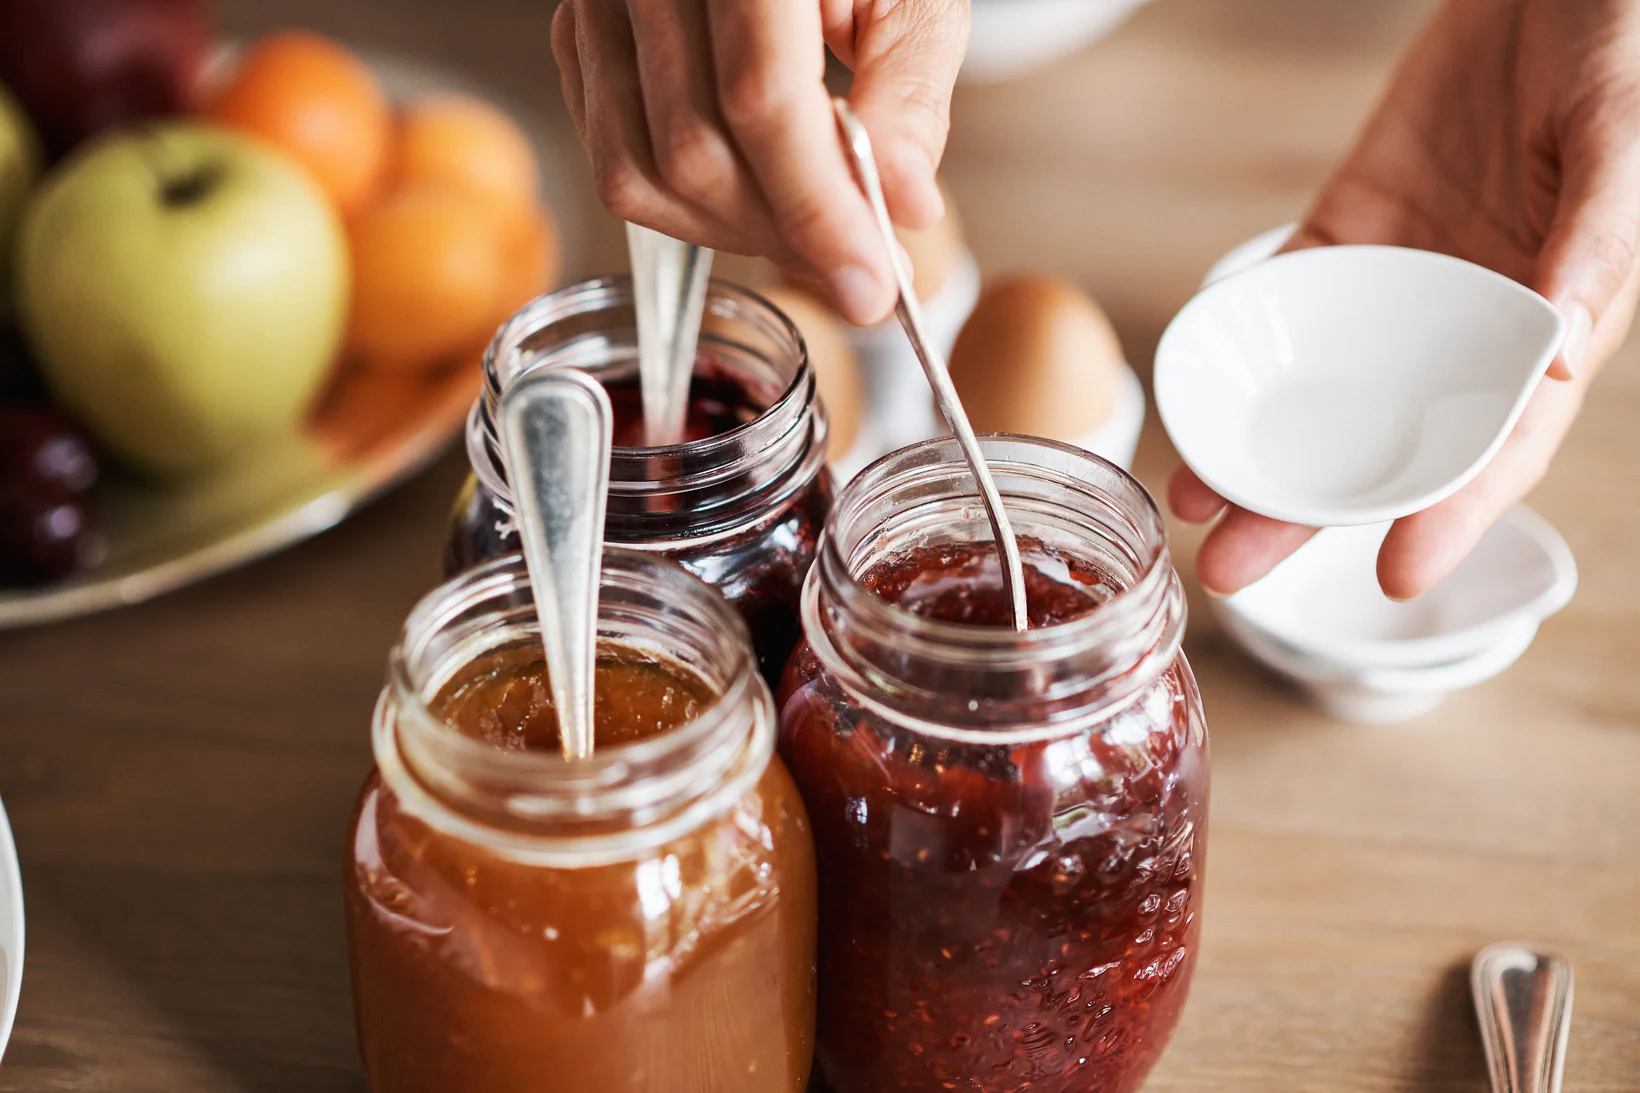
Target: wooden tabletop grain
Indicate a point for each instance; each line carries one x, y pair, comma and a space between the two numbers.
179, 774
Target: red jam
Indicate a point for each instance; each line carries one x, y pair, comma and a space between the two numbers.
759, 569
716, 404
999, 918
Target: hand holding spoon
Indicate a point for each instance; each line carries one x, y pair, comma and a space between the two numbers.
669, 280
858, 145
556, 427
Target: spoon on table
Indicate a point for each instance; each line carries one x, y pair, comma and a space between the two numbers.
556, 426
858, 145
669, 281
1523, 1000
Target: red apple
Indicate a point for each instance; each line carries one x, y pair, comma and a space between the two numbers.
81, 66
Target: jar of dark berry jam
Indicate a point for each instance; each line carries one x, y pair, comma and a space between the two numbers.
1010, 825
740, 502
641, 921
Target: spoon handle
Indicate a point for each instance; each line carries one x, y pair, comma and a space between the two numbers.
1523, 1000
857, 142
669, 280
555, 431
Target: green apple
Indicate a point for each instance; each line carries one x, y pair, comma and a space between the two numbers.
184, 290
19, 167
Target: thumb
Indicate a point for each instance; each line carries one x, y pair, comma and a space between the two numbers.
905, 65
1593, 246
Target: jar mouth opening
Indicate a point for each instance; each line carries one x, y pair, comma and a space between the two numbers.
711, 486
924, 485
538, 802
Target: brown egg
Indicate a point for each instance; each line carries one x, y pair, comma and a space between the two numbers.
1037, 356
933, 252
836, 368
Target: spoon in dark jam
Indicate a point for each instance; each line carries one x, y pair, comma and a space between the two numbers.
556, 426
669, 280
858, 145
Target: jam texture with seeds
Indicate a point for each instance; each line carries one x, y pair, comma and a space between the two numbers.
1010, 918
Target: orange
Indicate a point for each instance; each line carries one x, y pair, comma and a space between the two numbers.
318, 103
429, 272
529, 263
465, 144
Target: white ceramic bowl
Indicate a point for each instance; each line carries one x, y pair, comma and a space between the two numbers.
1378, 695
1326, 601
1350, 385
11, 931
1013, 37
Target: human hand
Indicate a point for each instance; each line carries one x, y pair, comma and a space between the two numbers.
708, 120
1510, 136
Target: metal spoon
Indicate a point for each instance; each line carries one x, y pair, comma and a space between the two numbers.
669, 292
1523, 1000
556, 426
858, 144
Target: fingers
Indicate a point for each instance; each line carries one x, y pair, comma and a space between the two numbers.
1421, 550
1243, 547
695, 159
1592, 251
905, 64
567, 54
1191, 499
616, 130
769, 62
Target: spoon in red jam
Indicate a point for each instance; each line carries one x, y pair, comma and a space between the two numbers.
669, 280
857, 142
556, 429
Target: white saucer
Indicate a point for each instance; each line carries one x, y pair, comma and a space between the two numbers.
11, 931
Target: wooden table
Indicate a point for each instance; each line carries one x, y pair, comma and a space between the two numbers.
179, 774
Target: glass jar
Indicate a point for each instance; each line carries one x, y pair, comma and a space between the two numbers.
642, 920
741, 506
1010, 824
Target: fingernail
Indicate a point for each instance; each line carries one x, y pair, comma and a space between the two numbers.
857, 294
1576, 346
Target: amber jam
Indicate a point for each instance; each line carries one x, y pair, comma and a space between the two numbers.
1011, 827
639, 921
740, 502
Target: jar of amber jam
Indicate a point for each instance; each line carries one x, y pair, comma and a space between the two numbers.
641, 921
1010, 824
740, 502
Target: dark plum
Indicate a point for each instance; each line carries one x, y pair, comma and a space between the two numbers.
43, 451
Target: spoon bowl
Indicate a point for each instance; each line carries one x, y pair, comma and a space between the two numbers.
1350, 385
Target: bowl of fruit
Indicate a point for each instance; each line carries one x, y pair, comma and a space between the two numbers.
247, 287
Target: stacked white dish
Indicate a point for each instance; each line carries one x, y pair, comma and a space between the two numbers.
1321, 620
1343, 388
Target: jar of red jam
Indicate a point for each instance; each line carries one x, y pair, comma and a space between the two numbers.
740, 502
642, 921
1010, 825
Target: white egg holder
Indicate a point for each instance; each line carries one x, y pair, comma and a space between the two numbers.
1321, 620
1011, 38
900, 410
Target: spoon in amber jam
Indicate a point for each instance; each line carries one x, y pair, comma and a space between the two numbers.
556, 430
857, 142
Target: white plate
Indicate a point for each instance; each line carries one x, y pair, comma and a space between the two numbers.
1325, 599
1013, 37
1350, 385
368, 433
11, 931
